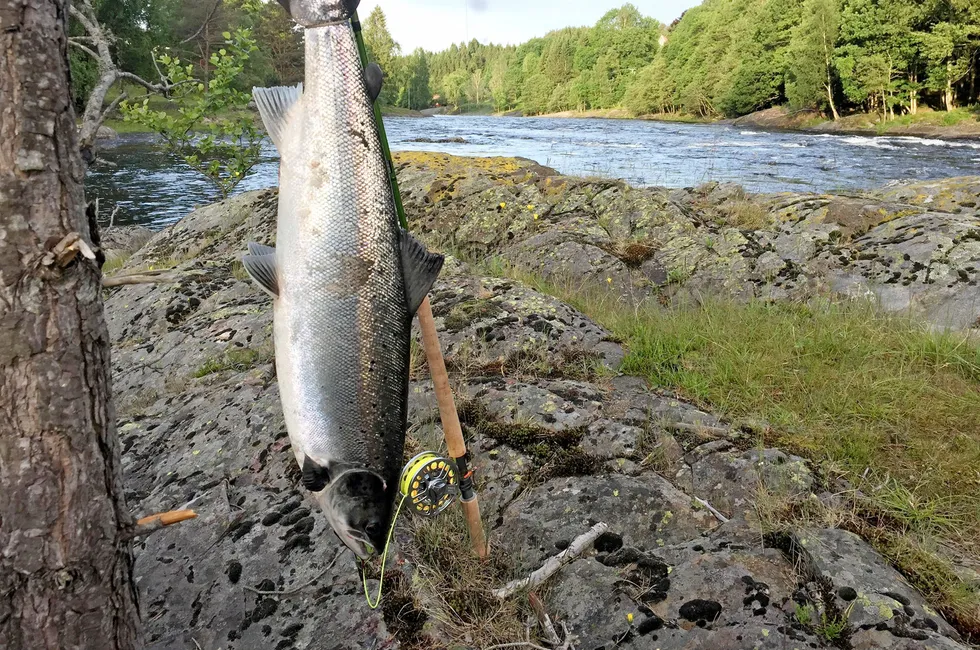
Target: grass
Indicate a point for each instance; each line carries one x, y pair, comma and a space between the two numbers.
873, 398
454, 587
830, 628
237, 359
935, 118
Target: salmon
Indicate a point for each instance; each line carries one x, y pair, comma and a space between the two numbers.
345, 278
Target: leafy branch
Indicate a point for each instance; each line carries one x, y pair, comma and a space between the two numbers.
210, 130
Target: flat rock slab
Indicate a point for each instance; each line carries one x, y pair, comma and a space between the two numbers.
716, 593
874, 595
559, 441
646, 510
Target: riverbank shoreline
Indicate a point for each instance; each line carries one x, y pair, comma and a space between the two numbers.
806, 121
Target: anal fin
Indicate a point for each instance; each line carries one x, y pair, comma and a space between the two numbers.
420, 268
274, 106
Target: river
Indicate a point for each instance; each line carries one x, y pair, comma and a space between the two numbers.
154, 190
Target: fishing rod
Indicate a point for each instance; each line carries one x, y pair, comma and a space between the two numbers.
426, 477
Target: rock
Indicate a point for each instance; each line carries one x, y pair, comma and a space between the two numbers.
106, 133
880, 605
911, 248
558, 439
123, 241
730, 481
453, 140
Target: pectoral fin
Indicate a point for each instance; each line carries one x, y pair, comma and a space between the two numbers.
274, 106
315, 478
261, 267
373, 78
420, 267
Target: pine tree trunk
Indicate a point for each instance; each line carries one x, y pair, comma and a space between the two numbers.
65, 569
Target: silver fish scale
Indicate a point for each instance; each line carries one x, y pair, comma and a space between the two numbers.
342, 325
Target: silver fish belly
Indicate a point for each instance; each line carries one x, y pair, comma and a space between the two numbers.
347, 281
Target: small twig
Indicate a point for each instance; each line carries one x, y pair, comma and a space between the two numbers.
567, 645
720, 517
553, 564
136, 279
698, 428
518, 644
153, 523
196, 643
290, 592
550, 635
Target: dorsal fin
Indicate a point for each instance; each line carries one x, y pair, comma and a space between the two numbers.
420, 268
274, 106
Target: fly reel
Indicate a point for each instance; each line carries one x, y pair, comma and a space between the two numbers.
430, 483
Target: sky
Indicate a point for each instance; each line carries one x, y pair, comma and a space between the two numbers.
435, 24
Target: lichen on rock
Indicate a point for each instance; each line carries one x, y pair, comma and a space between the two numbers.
558, 438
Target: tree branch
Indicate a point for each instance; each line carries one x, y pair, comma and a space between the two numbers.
551, 566
115, 103
84, 48
159, 88
207, 21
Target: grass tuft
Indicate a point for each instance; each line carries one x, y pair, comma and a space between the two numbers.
879, 399
237, 359
454, 587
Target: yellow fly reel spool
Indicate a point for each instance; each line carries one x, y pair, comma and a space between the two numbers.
430, 483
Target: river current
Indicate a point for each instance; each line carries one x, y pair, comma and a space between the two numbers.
152, 189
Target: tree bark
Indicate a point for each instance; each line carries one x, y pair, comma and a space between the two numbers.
948, 93
65, 565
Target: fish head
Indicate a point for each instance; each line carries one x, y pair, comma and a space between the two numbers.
315, 13
358, 507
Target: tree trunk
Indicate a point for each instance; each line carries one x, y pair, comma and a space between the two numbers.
913, 93
93, 117
830, 100
948, 94
65, 569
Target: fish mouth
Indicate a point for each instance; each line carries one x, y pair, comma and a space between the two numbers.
363, 549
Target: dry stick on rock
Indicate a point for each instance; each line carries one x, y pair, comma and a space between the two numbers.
136, 278
290, 592
153, 523
700, 429
550, 635
551, 566
720, 517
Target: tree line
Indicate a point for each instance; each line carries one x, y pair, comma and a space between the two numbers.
722, 58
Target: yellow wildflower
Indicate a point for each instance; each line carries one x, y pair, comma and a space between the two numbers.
629, 617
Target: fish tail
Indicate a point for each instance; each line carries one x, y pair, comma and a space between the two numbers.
316, 13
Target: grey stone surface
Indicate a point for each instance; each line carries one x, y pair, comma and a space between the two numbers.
559, 441
910, 248
874, 595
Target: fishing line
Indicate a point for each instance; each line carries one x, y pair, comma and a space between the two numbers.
384, 559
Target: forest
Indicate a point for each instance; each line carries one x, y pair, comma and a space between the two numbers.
724, 58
